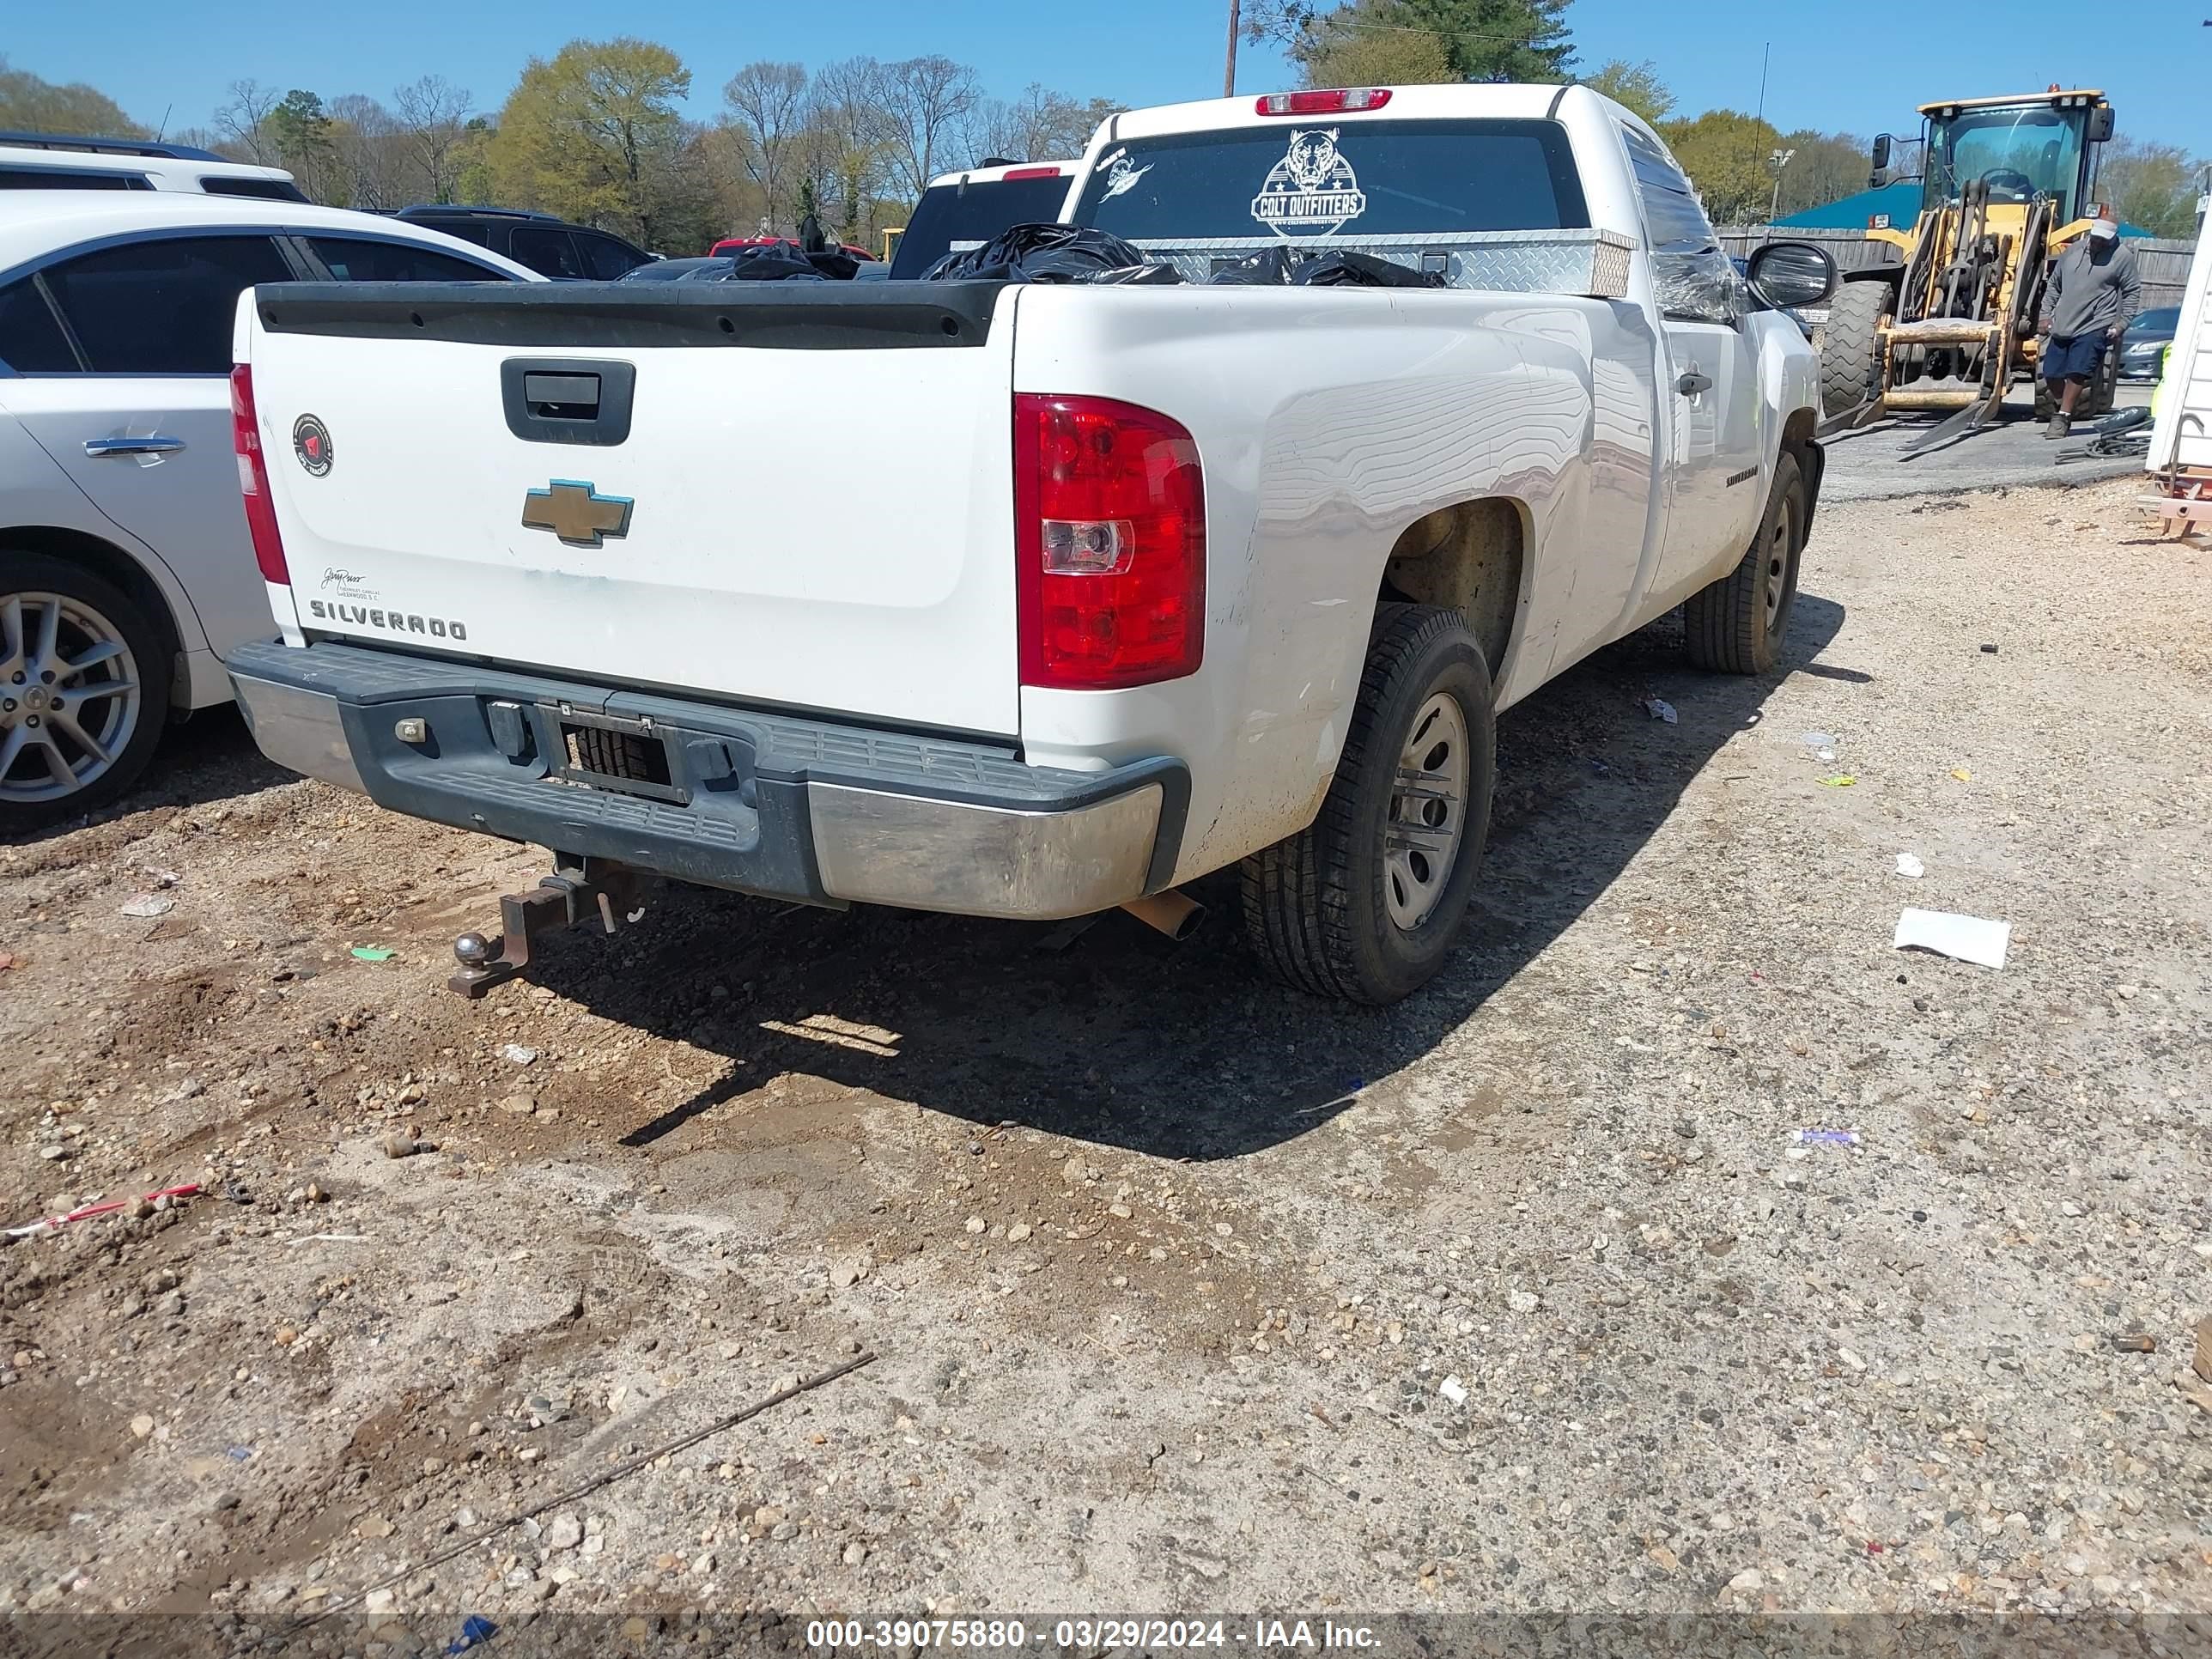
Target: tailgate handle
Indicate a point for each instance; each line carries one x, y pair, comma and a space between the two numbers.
555, 401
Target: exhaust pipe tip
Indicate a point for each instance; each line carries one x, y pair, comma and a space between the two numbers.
1173, 913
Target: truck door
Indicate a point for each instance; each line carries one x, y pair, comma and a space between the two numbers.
1708, 401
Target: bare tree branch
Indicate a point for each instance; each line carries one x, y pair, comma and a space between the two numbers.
244, 121
434, 113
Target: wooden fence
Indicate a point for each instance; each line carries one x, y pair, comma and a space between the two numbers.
2164, 263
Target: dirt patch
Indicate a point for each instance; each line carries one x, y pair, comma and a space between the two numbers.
1167, 1267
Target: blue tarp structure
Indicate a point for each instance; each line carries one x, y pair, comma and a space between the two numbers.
1900, 201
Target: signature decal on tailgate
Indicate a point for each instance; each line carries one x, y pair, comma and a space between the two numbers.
576, 513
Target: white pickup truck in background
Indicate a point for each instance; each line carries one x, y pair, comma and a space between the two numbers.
1027, 601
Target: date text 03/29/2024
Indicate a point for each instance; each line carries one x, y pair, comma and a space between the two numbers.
1012, 1634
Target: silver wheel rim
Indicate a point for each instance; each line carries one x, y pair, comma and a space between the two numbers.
1780, 538
1428, 813
70, 697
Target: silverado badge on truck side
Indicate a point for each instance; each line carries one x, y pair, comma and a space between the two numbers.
576, 513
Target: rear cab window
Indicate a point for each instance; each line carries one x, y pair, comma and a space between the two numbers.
608, 258
262, 189
71, 178
1312, 179
970, 215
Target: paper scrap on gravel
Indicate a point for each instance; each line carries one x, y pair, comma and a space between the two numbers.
1910, 867
1967, 939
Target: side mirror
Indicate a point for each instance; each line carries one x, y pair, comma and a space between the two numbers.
1788, 274
1881, 158
2100, 124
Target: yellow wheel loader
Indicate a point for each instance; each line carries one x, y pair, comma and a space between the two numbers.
2006, 183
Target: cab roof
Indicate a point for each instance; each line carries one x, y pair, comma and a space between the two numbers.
2015, 99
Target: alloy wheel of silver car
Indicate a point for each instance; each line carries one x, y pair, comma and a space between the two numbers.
70, 696
1428, 812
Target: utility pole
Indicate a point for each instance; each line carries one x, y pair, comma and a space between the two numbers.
1780, 159
1229, 74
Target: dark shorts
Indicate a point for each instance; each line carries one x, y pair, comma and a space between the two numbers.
2076, 359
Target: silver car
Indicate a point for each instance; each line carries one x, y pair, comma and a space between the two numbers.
126, 570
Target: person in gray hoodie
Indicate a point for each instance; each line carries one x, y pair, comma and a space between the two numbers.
2095, 289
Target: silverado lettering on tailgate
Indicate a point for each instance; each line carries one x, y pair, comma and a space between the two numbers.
398, 621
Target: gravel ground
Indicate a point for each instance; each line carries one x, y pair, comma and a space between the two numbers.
1185, 1291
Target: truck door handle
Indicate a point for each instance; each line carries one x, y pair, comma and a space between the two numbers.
1693, 382
151, 446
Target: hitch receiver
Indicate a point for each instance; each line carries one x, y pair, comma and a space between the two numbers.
593, 890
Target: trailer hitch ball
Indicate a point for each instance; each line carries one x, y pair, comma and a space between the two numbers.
472, 951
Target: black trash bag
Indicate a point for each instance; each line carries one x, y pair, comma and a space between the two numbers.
1348, 268
834, 264
1135, 276
1038, 253
777, 262
1269, 268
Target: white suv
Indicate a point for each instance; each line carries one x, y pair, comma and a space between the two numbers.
43, 160
126, 570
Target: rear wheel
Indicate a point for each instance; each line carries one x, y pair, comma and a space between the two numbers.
1851, 373
82, 691
1365, 902
1736, 625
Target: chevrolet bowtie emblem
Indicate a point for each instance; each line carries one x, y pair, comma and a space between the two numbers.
576, 513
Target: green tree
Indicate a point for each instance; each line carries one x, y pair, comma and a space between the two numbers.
28, 104
1345, 51
306, 141
2151, 186
593, 133
1480, 39
1727, 155
1637, 85
1827, 167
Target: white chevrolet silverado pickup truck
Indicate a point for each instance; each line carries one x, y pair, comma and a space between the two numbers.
1030, 599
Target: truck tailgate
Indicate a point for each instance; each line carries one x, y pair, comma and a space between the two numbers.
796, 494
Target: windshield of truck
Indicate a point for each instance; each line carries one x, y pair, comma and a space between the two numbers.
2019, 152
970, 215
1319, 179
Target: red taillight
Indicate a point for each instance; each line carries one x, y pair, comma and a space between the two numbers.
1332, 100
253, 479
1030, 172
1110, 541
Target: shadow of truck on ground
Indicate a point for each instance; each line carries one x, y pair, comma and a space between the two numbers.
1122, 1038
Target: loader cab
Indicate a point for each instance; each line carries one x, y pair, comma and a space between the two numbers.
2021, 147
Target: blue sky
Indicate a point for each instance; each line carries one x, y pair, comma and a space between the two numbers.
1830, 70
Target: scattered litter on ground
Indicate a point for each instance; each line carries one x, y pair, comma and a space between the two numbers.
1820, 740
1962, 774
1841, 780
397, 1145
1967, 939
158, 1200
1825, 1137
517, 1053
1660, 709
8, 961
1989, 650
1454, 1390
1910, 867
476, 1631
373, 953
330, 1238
2202, 1364
146, 906
238, 1454
2135, 1342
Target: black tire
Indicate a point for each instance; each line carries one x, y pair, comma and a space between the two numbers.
2098, 396
1732, 626
147, 664
1315, 906
1850, 371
